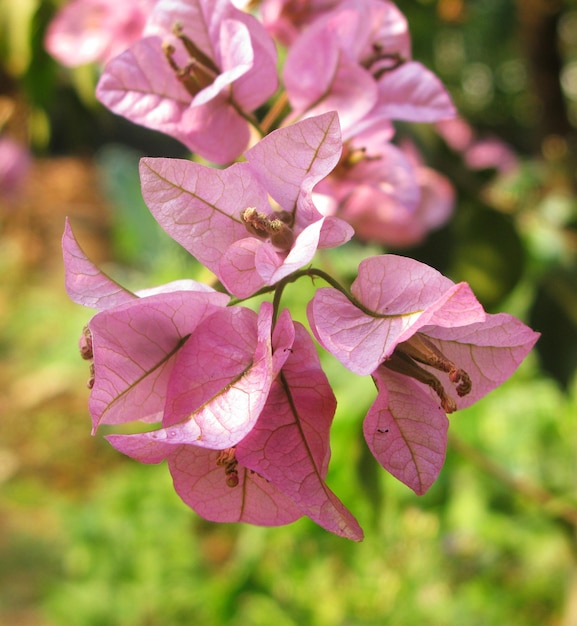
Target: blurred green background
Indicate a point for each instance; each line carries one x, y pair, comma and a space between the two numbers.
91, 538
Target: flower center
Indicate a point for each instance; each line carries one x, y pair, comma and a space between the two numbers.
199, 71
276, 228
379, 62
85, 346
420, 349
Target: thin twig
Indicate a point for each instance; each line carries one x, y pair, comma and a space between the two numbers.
552, 504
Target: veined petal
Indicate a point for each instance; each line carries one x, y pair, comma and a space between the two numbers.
404, 295
406, 430
135, 346
85, 283
289, 446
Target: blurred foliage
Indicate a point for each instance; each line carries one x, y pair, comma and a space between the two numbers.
91, 538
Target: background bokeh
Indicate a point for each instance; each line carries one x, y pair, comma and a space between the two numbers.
91, 538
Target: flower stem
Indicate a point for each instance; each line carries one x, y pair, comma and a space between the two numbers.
248, 117
348, 295
311, 272
275, 111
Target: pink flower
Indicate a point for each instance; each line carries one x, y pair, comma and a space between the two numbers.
88, 31
491, 152
224, 217
430, 348
245, 411
284, 19
14, 166
277, 472
201, 68
157, 355
356, 60
390, 198
484, 153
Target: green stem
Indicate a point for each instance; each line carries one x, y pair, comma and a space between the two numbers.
248, 117
555, 507
348, 295
274, 112
311, 272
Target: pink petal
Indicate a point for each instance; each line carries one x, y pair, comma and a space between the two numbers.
237, 268
201, 483
141, 447
457, 133
252, 89
334, 232
140, 85
135, 345
283, 337
382, 218
289, 446
488, 351
85, 283
406, 430
291, 160
491, 153
236, 59
437, 198
215, 130
310, 67
182, 284
413, 93
315, 87
392, 28
200, 206
221, 380
85, 31
200, 19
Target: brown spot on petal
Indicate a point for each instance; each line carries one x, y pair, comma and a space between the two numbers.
227, 458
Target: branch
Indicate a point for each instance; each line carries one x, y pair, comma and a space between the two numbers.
552, 505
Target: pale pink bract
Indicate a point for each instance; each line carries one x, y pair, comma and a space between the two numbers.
285, 19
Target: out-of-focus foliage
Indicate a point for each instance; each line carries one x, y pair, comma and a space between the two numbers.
89, 538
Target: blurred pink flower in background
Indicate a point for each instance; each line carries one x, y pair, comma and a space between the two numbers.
486, 153
14, 166
285, 19
89, 31
357, 59
201, 68
392, 198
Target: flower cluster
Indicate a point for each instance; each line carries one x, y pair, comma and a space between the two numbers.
243, 407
